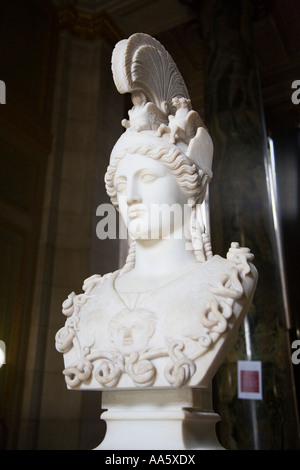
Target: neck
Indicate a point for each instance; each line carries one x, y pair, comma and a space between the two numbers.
162, 257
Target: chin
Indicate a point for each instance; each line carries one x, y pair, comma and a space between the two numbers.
140, 231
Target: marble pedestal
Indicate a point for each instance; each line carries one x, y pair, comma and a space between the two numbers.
159, 420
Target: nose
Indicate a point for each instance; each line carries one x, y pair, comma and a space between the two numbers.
127, 333
133, 193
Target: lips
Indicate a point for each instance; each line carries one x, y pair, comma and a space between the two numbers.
136, 211
127, 341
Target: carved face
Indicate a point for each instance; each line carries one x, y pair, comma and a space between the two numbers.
130, 331
150, 199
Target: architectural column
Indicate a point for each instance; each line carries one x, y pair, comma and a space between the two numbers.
241, 211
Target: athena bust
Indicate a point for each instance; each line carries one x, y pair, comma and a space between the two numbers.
167, 317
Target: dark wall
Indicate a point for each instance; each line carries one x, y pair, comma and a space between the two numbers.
27, 61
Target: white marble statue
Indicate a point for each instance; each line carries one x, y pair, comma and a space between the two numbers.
166, 319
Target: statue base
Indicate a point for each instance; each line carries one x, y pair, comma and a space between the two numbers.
159, 419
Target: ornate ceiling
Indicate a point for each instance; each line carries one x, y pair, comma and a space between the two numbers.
276, 28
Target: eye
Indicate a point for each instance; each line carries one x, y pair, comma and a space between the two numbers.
120, 185
137, 327
148, 177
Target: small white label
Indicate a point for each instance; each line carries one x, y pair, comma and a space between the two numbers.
250, 380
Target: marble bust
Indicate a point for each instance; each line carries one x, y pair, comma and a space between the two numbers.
168, 316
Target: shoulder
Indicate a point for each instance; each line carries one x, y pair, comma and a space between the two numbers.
235, 270
215, 264
97, 281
